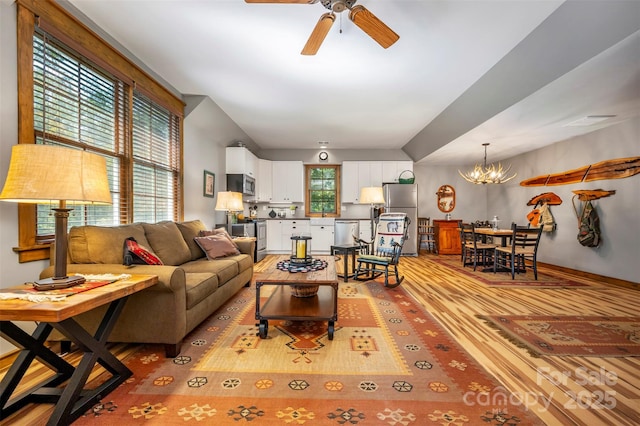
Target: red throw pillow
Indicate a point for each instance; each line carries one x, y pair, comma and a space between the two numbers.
135, 254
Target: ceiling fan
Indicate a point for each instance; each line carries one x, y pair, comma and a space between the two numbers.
367, 21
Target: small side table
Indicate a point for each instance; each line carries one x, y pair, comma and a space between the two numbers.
73, 400
346, 250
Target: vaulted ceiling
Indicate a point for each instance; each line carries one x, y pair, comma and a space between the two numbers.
512, 73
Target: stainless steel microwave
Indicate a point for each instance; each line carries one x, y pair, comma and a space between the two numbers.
241, 183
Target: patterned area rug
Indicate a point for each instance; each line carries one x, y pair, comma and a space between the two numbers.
571, 335
390, 363
503, 279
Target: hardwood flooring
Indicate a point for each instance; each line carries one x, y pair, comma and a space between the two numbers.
559, 399
563, 398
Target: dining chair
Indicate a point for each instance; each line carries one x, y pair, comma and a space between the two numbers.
426, 235
522, 253
474, 251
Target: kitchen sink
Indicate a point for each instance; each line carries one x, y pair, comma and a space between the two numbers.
321, 221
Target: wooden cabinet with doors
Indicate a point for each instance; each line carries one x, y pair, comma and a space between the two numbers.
447, 236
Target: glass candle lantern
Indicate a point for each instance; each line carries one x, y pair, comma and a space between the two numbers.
300, 250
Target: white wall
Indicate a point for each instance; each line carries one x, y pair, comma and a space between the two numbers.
207, 132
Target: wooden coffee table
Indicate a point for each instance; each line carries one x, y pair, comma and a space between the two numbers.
72, 400
283, 305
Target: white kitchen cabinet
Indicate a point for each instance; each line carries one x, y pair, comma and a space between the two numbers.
295, 227
264, 182
365, 230
349, 177
280, 231
358, 174
239, 160
288, 182
391, 170
322, 235
274, 235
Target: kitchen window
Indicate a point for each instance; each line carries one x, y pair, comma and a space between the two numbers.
322, 189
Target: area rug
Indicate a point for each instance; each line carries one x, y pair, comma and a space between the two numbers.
503, 279
571, 335
389, 363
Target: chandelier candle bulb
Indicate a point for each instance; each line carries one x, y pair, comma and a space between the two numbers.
483, 174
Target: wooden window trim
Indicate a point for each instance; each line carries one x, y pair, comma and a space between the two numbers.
307, 191
56, 19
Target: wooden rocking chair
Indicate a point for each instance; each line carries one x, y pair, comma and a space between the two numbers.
391, 233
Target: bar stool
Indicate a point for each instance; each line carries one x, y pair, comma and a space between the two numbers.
426, 235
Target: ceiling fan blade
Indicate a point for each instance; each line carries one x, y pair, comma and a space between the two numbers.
282, 1
375, 28
318, 34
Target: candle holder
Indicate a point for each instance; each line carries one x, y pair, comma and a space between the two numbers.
300, 250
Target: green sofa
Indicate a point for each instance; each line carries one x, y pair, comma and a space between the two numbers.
190, 287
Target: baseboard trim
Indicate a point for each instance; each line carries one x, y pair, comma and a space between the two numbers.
595, 277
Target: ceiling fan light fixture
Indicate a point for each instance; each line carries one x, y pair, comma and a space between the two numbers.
491, 174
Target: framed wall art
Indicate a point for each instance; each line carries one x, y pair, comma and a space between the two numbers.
209, 184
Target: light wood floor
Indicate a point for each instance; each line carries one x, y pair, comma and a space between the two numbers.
455, 300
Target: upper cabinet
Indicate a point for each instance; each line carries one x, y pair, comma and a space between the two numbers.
358, 174
264, 182
241, 161
391, 170
287, 182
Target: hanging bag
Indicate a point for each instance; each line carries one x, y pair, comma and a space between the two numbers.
588, 224
547, 221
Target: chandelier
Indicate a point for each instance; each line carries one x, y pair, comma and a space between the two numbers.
483, 174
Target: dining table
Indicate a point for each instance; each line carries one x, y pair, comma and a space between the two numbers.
503, 234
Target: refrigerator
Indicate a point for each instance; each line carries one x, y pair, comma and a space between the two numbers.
403, 198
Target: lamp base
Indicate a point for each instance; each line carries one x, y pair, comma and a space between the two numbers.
57, 283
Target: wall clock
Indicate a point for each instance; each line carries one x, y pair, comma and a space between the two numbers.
323, 156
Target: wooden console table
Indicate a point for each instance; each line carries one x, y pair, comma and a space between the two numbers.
72, 400
282, 305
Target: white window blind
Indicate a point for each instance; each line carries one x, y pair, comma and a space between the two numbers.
78, 105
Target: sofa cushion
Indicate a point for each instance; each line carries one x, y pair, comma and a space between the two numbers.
216, 246
199, 287
225, 268
217, 231
244, 262
167, 243
189, 231
102, 244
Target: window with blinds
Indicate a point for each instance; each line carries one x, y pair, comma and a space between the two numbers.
79, 105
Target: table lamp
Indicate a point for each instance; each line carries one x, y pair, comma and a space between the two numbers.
44, 173
371, 195
231, 202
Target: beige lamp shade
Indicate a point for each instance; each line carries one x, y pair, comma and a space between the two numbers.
44, 173
371, 195
229, 201
40, 173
